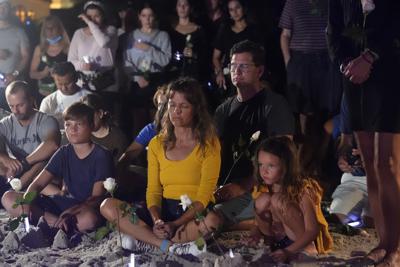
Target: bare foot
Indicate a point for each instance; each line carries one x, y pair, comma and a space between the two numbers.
391, 260
376, 255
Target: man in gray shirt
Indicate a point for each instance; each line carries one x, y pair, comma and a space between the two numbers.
14, 50
31, 137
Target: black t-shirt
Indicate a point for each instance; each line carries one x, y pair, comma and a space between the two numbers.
194, 67
267, 112
226, 38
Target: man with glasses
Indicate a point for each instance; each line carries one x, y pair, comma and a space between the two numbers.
253, 109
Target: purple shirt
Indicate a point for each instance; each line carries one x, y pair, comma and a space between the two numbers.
79, 175
307, 24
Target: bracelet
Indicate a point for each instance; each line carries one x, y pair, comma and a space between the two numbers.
366, 59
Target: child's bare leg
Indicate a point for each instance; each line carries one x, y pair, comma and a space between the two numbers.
293, 221
8, 200
140, 231
366, 143
263, 214
193, 229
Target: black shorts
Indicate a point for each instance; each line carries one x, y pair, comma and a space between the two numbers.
373, 106
313, 83
55, 204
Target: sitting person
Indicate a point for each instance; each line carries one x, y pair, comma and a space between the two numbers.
289, 211
132, 165
83, 166
68, 92
30, 137
105, 133
149, 131
183, 159
350, 199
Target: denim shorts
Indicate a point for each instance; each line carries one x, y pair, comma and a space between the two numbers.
237, 209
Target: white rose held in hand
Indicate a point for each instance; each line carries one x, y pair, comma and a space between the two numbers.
185, 202
255, 136
367, 6
110, 184
16, 184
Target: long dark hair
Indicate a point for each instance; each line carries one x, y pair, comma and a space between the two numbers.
292, 184
229, 21
202, 123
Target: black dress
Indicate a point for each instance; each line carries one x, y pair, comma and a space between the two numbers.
373, 105
47, 85
195, 66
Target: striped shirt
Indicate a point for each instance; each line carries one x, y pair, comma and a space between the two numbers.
307, 24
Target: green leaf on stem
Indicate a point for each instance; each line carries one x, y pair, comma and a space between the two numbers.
134, 218
18, 201
101, 233
14, 223
29, 197
200, 242
199, 216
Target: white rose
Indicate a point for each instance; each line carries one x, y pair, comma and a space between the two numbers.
145, 65
255, 136
16, 184
367, 6
110, 184
44, 58
185, 202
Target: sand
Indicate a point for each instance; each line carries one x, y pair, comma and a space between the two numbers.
35, 249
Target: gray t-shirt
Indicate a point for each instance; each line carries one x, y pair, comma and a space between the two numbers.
12, 39
23, 140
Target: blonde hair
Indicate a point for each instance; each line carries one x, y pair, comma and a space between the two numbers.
61, 30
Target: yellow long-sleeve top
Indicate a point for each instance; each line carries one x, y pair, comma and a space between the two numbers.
196, 175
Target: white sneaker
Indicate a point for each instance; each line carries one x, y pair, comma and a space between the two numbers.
132, 244
187, 248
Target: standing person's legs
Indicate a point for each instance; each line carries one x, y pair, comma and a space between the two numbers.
389, 180
366, 142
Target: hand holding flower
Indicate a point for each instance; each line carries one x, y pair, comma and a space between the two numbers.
16, 184
110, 185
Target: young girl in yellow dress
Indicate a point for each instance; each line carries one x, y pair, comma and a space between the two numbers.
288, 211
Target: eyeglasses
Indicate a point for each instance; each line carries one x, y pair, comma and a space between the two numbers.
243, 67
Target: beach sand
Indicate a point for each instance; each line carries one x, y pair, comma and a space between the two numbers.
35, 250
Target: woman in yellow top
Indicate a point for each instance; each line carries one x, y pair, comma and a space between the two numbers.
183, 159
